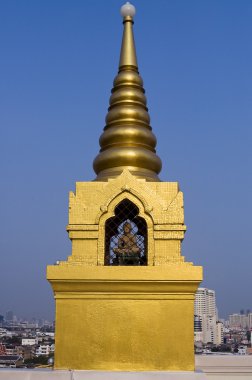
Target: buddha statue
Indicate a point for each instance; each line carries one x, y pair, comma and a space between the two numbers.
128, 251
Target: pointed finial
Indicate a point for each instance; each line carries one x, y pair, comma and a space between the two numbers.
128, 50
127, 141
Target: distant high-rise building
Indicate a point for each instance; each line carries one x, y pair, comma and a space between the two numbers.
9, 316
205, 303
235, 320
250, 320
240, 321
244, 321
219, 338
206, 312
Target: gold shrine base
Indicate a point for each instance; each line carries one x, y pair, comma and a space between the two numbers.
124, 318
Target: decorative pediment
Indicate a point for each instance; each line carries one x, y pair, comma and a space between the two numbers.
161, 200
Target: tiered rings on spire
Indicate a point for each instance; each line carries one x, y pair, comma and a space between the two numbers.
127, 140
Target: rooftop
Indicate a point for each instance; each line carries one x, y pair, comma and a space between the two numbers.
208, 367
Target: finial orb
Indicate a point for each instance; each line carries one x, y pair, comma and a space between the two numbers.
128, 10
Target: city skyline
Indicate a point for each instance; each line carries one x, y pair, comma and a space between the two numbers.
12, 316
58, 65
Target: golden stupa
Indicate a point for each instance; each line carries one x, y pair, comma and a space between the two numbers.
125, 296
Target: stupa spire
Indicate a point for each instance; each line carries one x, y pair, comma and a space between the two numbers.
127, 140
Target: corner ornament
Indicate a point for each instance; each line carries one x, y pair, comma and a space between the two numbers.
104, 208
148, 209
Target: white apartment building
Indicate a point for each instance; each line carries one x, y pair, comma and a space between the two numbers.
205, 302
205, 310
3, 332
44, 350
29, 341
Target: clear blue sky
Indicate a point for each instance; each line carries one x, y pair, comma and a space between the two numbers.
58, 61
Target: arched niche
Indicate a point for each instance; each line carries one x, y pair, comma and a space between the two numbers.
126, 236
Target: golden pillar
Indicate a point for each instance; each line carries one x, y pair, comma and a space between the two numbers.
125, 297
